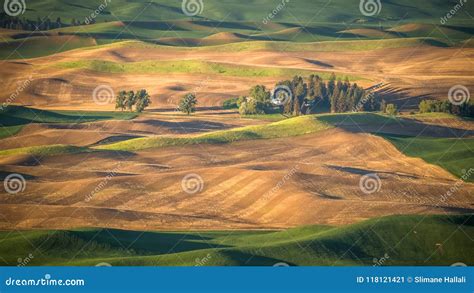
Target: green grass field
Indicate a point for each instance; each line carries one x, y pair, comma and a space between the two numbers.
19, 115
191, 67
285, 128
13, 118
400, 240
314, 11
454, 155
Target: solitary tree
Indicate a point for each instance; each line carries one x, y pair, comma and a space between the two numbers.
142, 100
120, 100
188, 104
391, 109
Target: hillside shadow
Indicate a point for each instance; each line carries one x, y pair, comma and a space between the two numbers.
193, 126
148, 243
359, 171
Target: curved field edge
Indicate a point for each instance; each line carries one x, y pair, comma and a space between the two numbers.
36, 47
190, 66
285, 128
455, 155
398, 240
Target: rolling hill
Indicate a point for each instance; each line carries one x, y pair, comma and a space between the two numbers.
396, 240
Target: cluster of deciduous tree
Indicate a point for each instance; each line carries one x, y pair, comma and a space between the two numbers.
309, 96
465, 109
127, 100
